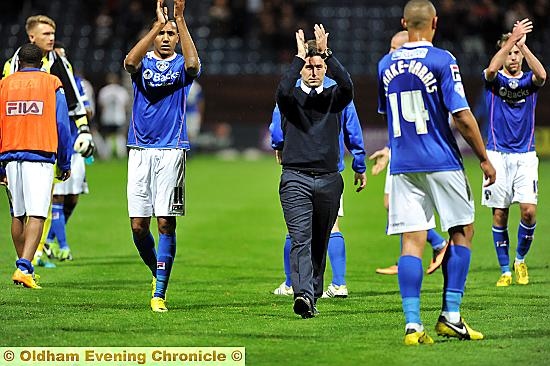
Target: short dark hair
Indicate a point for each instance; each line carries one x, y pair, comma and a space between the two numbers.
30, 54
312, 48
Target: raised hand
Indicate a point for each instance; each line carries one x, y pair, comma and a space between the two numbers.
179, 7
321, 37
162, 12
301, 44
520, 30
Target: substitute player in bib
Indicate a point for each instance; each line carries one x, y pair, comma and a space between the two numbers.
419, 85
351, 137
157, 139
41, 32
34, 130
511, 98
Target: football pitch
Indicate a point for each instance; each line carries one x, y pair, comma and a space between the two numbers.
229, 259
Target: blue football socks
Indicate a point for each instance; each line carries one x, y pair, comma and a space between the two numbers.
337, 256
146, 249
525, 238
25, 265
286, 260
410, 281
436, 241
455, 271
502, 245
57, 229
165, 259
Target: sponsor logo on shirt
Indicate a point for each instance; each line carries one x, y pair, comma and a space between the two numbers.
513, 96
24, 107
159, 79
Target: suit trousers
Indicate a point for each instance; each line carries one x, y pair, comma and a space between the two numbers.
310, 205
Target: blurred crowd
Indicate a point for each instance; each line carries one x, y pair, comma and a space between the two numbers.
468, 27
100, 32
475, 25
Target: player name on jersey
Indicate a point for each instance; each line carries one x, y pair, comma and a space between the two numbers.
414, 67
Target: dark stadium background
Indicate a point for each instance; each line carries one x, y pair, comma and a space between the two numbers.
244, 45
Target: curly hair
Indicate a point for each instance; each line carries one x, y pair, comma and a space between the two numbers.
30, 54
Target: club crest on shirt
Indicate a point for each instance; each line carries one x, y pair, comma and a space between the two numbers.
162, 65
513, 83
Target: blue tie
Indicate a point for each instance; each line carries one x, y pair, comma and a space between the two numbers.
313, 93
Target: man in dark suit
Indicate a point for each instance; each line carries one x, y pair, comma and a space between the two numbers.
311, 185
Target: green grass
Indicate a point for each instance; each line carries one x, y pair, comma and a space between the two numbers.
230, 259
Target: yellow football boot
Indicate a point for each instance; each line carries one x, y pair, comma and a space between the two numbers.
459, 330
158, 305
522, 276
505, 280
414, 338
25, 279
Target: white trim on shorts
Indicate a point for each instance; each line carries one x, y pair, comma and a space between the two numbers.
341, 208
415, 197
517, 179
30, 187
387, 183
156, 182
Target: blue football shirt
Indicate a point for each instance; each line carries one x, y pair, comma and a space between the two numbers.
511, 106
160, 87
418, 86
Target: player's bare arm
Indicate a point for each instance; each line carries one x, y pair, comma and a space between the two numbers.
521, 28
539, 73
192, 63
381, 159
132, 62
468, 127
361, 179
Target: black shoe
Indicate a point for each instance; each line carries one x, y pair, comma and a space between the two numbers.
302, 307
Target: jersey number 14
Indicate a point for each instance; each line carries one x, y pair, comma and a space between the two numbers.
412, 110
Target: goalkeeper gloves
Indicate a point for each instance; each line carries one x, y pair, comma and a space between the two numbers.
84, 145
